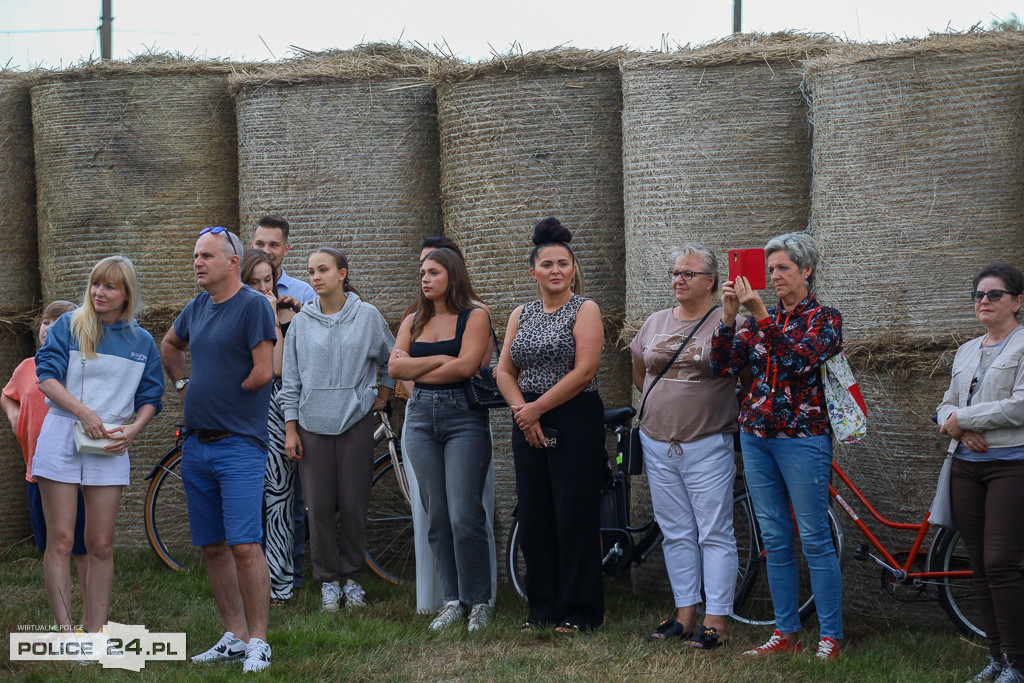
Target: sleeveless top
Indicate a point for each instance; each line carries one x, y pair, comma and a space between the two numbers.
445, 347
544, 349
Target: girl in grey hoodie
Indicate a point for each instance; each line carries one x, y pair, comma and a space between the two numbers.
336, 349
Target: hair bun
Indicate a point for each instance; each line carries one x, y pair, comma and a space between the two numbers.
548, 230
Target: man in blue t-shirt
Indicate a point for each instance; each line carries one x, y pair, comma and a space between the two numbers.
270, 235
230, 331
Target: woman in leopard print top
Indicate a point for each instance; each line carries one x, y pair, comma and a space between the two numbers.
547, 373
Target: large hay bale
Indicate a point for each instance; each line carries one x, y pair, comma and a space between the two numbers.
526, 137
715, 150
918, 179
19, 287
896, 467
132, 158
15, 346
344, 146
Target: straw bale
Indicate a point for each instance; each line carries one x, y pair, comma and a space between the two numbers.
132, 158
527, 137
350, 162
896, 467
369, 62
15, 346
917, 163
716, 150
19, 286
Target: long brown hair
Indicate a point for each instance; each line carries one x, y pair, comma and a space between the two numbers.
252, 258
456, 298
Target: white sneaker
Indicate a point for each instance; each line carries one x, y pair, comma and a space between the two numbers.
354, 594
330, 594
451, 613
257, 656
479, 616
227, 649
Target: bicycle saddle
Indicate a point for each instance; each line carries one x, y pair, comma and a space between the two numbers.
619, 416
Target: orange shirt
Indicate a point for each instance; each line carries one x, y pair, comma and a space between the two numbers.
24, 388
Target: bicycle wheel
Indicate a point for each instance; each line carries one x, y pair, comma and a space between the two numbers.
390, 550
167, 516
515, 565
753, 600
957, 595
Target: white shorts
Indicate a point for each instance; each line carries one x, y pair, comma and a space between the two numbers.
57, 459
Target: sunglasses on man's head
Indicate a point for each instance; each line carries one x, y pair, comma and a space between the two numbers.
977, 296
218, 230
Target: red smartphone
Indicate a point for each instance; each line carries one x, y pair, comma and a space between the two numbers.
750, 264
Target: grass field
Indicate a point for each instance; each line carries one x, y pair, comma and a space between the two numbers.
388, 641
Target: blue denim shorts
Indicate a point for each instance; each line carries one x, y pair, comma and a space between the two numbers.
224, 490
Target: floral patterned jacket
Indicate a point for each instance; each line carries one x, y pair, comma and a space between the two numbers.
785, 352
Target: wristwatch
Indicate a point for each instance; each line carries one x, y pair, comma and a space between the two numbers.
181, 384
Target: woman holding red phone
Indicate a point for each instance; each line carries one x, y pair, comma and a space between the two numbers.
785, 432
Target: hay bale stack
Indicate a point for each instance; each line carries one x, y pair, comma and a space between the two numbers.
132, 158
19, 287
15, 346
896, 467
918, 180
715, 150
525, 137
344, 146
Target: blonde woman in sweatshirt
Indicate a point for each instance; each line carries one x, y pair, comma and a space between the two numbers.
334, 377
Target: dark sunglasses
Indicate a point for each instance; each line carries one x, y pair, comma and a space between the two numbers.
977, 296
218, 230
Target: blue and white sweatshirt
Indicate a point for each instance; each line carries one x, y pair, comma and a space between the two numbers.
124, 376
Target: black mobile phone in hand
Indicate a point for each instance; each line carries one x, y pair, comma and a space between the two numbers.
550, 436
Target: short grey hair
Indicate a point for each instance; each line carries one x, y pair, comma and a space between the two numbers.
801, 250
708, 256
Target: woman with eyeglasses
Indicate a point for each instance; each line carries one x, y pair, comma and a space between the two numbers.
687, 423
983, 414
785, 433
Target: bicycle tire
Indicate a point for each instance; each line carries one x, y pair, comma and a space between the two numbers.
753, 601
166, 516
390, 547
957, 595
515, 565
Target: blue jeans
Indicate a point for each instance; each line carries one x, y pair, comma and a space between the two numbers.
784, 471
450, 450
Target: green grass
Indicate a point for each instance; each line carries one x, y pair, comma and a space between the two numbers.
388, 641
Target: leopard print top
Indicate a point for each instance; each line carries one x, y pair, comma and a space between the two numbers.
544, 349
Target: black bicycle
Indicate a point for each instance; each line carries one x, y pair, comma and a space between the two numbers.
390, 549
626, 543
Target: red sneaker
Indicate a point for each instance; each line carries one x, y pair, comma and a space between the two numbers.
827, 649
777, 644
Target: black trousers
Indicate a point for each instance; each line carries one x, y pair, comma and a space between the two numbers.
559, 514
988, 508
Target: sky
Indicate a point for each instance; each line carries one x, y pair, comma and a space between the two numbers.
55, 33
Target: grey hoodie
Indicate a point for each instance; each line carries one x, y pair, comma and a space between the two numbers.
329, 370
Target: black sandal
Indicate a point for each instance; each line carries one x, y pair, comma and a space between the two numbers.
706, 639
670, 628
529, 626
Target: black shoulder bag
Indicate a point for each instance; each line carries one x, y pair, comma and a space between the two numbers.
482, 392
635, 457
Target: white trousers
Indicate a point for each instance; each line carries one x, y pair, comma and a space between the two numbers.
429, 596
691, 488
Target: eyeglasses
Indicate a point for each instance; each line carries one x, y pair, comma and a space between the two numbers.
218, 230
687, 274
993, 295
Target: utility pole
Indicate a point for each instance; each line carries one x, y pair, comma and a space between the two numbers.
737, 15
105, 19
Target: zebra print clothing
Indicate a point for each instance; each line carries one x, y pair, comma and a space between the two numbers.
278, 492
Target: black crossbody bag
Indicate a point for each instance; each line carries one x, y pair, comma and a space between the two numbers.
635, 458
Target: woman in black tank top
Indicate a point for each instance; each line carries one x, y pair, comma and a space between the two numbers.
439, 347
